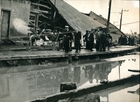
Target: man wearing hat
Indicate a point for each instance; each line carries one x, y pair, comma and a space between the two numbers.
69, 37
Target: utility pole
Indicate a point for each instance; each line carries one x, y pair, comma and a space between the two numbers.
108, 20
121, 19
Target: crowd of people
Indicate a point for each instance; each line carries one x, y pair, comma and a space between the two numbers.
67, 38
103, 39
123, 40
97, 38
100, 35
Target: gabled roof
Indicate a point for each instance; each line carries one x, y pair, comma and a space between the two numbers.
113, 29
74, 18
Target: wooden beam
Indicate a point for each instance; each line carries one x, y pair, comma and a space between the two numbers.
32, 20
39, 11
33, 25
37, 4
32, 15
32, 11
45, 17
44, 24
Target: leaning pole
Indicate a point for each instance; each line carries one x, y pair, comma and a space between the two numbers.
109, 10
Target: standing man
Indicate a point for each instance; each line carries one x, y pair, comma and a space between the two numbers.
97, 35
86, 39
91, 40
109, 41
120, 40
103, 40
77, 40
70, 36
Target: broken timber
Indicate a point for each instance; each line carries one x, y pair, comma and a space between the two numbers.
37, 4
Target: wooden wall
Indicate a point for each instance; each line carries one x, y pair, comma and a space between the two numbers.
18, 9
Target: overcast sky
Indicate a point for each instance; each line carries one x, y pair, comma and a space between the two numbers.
100, 7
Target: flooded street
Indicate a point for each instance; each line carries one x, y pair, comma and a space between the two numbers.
24, 83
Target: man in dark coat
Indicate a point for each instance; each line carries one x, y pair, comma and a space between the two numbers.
86, 40
66, 44
70, 36
91, 40
77, 38
97, 35
120, 40
103, 40
109, 41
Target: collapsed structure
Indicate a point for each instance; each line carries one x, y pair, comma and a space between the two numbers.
40, 14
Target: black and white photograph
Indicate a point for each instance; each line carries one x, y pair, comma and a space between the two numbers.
69, 51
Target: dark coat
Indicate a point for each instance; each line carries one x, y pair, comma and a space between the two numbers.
91, 38
66, 41
91, 41
77, 39
85, 37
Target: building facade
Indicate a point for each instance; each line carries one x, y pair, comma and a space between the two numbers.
10, 10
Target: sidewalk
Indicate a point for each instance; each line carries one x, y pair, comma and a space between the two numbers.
35, 54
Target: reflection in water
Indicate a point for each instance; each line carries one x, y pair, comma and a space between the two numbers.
23, 86
99, 72
77, 72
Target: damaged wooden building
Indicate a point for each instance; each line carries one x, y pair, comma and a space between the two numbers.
40, 14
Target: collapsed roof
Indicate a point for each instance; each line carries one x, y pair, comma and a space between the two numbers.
61, 14
74, 18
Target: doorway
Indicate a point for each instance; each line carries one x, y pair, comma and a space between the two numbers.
5, 24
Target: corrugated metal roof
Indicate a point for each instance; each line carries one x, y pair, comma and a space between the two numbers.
75, 18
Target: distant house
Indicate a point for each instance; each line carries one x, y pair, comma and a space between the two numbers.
11, 10
114, 31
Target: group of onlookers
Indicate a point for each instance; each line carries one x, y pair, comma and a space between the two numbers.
96, 38
102, 39
67, 37
123, 40
100, 35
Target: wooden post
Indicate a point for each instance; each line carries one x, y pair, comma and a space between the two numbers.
121, 19
108, 20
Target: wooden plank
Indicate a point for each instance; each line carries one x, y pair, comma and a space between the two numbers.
37, 4
32, 11
39, 11
45, 17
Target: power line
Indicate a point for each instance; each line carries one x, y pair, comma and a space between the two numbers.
129, 23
